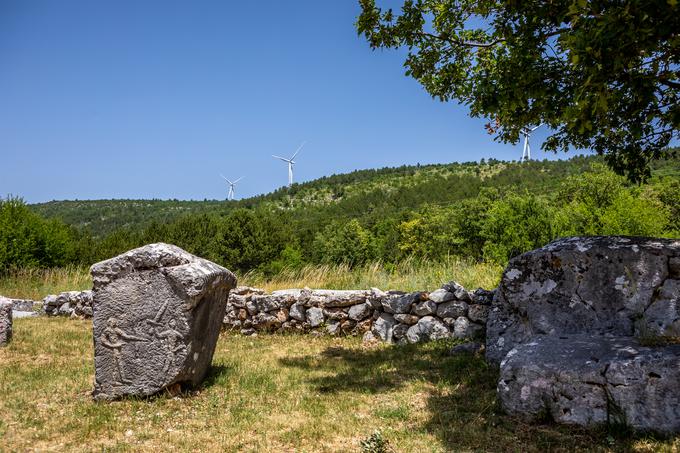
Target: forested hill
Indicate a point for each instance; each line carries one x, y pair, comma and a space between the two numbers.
477, 211
344, 195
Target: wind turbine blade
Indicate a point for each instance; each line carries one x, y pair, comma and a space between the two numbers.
224, 178
282, 158
298, 150
238, 179
541, 124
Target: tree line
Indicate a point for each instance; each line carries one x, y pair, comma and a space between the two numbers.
493, 223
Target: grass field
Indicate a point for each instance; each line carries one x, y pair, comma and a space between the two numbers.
273, 393
409, 275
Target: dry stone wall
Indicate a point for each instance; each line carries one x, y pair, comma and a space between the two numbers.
391, 316
76, 304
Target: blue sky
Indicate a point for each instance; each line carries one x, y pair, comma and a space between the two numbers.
154, 99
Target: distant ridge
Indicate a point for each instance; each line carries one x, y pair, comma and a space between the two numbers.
343, 195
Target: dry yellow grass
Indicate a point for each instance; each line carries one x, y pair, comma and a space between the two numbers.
408, 275
272, 393
37, 283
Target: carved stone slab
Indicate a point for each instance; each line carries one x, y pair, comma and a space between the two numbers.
157, 314
5, 321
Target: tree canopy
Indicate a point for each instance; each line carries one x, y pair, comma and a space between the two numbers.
603, 75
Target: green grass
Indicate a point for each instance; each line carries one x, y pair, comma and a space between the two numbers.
409, 275
37, 283
273, 393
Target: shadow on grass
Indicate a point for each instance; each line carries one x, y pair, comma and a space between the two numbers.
462, 408
217, 375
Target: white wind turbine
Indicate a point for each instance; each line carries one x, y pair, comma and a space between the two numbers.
232, 186
290, 162
526, 153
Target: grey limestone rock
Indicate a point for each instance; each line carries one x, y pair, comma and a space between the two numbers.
297, 311
333, 327
157, 316
21, 304
441, 295
399, 331
428, 328
360, 311
406, 319
458, 291
589, 380
662, 317
464, 329
382, 327
400, 304
314, 316
5, 321
478, 313
425, 308
483, 296
598, 285
452, 309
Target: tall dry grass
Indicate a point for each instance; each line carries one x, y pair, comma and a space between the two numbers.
408, 275
37, 283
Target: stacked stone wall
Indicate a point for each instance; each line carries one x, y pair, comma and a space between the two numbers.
390, 316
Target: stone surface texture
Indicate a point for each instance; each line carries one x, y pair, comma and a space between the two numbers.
157, 313
610, 285
76, 304
5, 321
389, 316
569, 324
589, 380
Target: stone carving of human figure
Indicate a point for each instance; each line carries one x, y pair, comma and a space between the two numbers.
114, 338
172, 342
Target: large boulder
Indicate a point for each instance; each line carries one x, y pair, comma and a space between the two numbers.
597, 285
5, 321
589, 380
157, 317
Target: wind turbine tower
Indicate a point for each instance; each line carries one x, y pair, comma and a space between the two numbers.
526, 153
290, 163
232, 186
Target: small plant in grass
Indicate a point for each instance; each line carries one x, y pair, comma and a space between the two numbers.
376, 443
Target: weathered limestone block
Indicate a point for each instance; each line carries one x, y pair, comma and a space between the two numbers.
662, 317
452, 309
428, 328
579, 285
425, 308
400, 304
478, 313
589, 380
315, 316
22, 304
441, 295
360, 311
382, 327
297, 312
458, 291
406, 319
5, 321
464, 329
157, 316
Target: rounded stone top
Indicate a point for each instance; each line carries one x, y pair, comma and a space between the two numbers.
192, 272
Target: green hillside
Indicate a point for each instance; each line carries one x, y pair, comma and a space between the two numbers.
487, 211
350, 194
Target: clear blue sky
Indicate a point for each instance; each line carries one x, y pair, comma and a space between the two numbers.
154, 99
